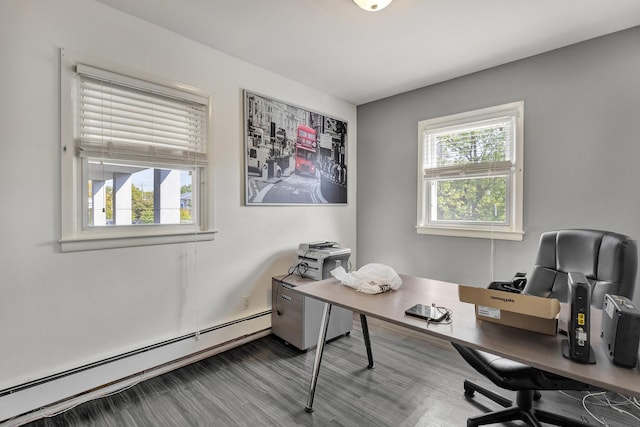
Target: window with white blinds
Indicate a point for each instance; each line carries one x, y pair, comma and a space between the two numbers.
470, 173
134, 157
129, 119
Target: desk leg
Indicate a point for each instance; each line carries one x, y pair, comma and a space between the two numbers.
322, 336
367, 341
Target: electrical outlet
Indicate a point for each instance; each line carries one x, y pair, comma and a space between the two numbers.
245, 302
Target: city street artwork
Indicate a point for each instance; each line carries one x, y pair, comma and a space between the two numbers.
293, 156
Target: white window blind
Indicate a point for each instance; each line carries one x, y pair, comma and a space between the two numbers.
485, 147
129, 119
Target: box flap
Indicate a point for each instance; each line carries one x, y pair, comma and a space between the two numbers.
547, 308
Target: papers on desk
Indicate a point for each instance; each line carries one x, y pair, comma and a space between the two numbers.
519, 311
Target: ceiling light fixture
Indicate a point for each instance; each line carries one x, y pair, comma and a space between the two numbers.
372, 5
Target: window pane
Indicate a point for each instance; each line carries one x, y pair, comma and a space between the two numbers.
124, 194
483, 144
476, 200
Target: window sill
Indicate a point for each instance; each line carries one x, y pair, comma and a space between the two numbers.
473, 233
94, 242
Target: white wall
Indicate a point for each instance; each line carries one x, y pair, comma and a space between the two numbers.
63, 310
581, 111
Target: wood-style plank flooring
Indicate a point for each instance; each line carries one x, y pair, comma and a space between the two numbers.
417, 381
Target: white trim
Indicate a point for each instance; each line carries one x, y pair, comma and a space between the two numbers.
478, 234
92, 242
514, 109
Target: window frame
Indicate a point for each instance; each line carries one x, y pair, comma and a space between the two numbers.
75, 235
513, 228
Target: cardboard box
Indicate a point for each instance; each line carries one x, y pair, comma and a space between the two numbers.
520, 311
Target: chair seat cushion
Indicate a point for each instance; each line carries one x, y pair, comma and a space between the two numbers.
512, 375
503, 365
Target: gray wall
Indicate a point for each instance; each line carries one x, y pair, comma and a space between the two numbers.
582, 148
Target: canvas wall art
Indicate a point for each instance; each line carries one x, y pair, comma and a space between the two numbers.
293, 156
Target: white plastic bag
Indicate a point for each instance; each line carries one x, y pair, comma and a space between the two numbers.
371, 278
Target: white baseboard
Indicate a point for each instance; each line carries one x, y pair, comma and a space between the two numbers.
49, 397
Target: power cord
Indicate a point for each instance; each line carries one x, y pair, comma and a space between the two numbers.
602, 400
300, 269
446, 320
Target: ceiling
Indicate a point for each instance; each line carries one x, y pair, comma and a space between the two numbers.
359, 56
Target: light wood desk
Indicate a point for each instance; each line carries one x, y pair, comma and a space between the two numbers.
533, 349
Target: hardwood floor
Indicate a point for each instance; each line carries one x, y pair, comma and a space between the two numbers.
417, 381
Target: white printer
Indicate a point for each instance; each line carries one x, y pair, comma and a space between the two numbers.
322, 257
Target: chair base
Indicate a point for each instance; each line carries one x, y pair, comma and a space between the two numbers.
523, 409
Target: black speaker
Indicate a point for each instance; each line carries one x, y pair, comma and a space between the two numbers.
620, 330
578, 347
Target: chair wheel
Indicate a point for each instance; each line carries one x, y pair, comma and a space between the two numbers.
468, 391
537, 395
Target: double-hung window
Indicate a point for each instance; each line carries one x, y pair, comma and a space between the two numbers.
134, 161
470, 173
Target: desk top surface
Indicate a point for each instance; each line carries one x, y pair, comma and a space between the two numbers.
537, 350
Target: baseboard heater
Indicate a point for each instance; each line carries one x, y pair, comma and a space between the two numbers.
14, 401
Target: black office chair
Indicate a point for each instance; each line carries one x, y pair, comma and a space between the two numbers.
610, 262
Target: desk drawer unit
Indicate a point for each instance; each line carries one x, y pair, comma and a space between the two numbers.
296, 319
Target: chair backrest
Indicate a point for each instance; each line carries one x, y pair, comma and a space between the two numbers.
609, 260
